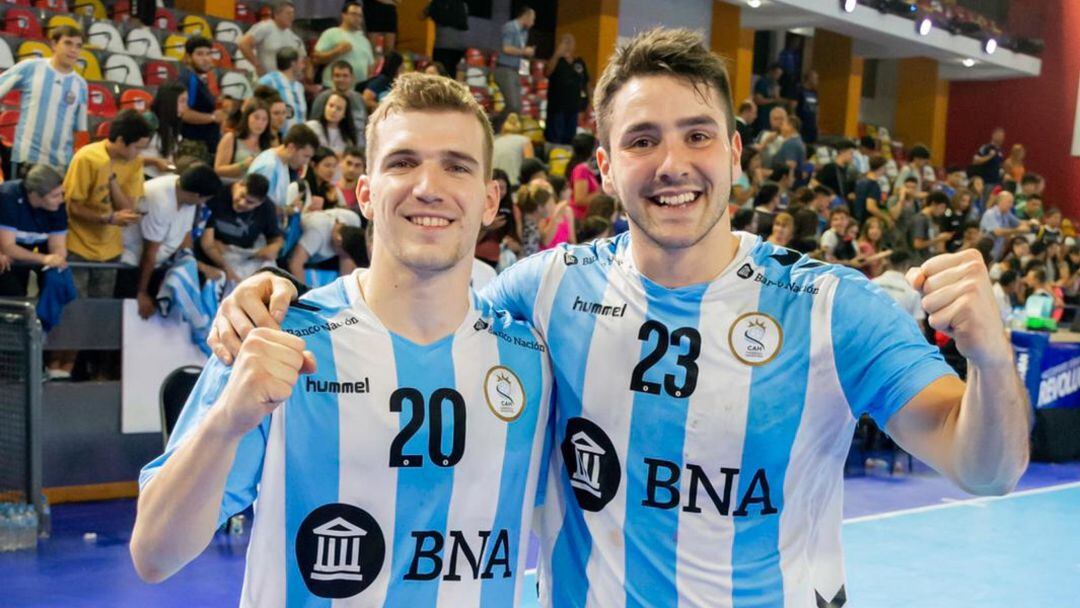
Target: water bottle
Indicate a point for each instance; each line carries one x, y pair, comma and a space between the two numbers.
6, 539
45, 524
236, 525
31, 528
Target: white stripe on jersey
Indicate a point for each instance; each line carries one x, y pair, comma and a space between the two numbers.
475, 509
359, 431
545, 298
714, 439
265, 587
45, 115
817, 454
610, 406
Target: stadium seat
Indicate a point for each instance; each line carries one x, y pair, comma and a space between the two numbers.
105, 36
194, 25
22, 22
101, 132
102, 100
245, 66
246, 13
227, 31
558, 158
81, 139
165, 19
7, 58
174, 46
60, 20
12, 100
18, 2
174, 393
222, 57
9, 119
33, 48
235, 84
93, 9
142, 42
136, 99
123, 69
89, 66
57, 6
157, 72
121, 10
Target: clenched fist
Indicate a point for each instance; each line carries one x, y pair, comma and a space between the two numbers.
267, 368
959, 301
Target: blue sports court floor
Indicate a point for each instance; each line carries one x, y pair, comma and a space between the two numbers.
910, 540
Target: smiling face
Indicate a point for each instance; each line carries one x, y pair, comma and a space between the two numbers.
426, 190
669, 159
67, 49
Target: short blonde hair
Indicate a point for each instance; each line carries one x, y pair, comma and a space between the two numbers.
419, 92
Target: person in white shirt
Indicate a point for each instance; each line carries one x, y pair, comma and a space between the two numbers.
262, 42
327, 234
894, 283
168, 206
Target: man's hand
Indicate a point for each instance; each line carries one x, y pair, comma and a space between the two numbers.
54, 261
5, 263
267, 368
259, 301
959, 301
125, 217
146, 305
343, 47
530, 51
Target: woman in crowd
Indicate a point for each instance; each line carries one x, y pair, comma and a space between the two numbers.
1014, 165
870, 245
236, 150
783, 228
582, 173
746, 186
335, 128
501, 231
321, 181
379, 86
511, 148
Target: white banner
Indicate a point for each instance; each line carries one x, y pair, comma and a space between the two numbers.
151, 350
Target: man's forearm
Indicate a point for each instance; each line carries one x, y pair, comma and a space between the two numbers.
21, 254
82, 213
120, 199
178, 510
992, 427
146, 264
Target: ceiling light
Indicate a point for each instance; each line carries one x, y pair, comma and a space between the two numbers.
923, 26
990, 46
968, 62
848, 6
753, 3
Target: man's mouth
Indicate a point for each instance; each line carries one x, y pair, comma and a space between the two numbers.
429, 221
675, 199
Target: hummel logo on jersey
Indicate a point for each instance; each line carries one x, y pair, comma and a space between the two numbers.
340, 550
746, 271
592, 464
314, 385
596, 308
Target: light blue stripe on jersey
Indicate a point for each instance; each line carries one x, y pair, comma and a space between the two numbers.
499, 592
657, 430
777, 398
268, 165
572, 331
423, 493
42, 118
311, 429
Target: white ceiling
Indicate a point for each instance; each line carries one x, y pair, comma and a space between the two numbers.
888, 36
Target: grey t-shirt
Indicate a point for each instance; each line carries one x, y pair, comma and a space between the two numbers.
269, 38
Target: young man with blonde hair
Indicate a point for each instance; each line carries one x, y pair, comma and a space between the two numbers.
393, 428
707, 383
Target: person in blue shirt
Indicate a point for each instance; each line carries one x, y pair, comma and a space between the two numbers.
707, 383
33, 226
201, 120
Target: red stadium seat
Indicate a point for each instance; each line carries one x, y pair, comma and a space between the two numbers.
101, 132
12, 99
121, 10
57, 6
165, 19
159, 71
245, 13
136, 99
9, 119
102, 100
18, 2
23, 22
222, 59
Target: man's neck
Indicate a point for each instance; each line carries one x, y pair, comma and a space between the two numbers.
679, 267
283, 155
54, 62
423, 307
287, 74
112, 148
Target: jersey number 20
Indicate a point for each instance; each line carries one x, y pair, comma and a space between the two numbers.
434, 415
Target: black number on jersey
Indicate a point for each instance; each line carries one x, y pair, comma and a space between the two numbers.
434, 414
687, 360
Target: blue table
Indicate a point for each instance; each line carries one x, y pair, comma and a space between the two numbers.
1049, 365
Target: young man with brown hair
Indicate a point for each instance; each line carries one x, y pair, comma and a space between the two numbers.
401, 469
708, 383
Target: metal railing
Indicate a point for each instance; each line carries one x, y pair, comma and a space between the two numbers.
20, 406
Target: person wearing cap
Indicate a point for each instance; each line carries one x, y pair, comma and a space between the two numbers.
242, 234
168, 209
329, 235
200, 119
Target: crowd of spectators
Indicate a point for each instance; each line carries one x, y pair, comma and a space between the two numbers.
270, 180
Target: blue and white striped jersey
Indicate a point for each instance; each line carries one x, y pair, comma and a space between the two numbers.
701, 432
397, 474
268, 164
292, 93
52, 109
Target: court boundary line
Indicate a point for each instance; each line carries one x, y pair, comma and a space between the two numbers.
978, 500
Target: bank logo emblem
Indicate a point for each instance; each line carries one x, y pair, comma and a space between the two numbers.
591, 464
340, 550
746, 271
755, 338
504, 392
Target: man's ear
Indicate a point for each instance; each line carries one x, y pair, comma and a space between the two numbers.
363, 196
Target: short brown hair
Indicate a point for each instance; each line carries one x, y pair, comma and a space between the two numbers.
66, 31
662, 51
419, 92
